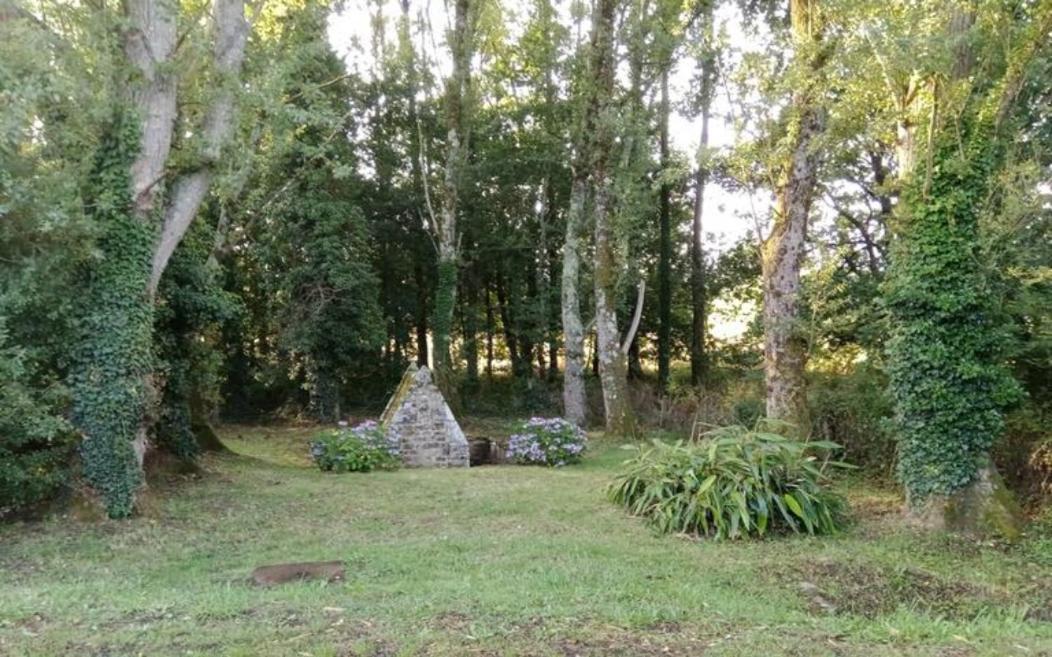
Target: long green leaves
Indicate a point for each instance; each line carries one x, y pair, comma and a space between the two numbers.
735, 482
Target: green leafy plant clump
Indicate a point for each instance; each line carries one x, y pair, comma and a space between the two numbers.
362, 448
733, 483
35, 440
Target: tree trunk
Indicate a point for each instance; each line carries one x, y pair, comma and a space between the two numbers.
111, 380
511, 336
149, 45
190, 188
664, 248
470, 324
635, 362
613, 365
699, 302
419, 194
785, 348
574, 407
946, 358
421, 315
553, 309
490, 330
457, 105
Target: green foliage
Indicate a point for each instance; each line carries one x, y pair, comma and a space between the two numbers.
946, 341
302, 265
853, 408
363, 448
445, 298
35, 440
734, 483
191, 307
113, 357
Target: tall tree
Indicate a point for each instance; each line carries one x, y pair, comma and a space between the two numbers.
458, 106
574, 406
707, 63
112, 380
946, 350
785, 351
613, 362
664, 238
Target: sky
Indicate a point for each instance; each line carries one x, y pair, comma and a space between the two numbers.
728, 215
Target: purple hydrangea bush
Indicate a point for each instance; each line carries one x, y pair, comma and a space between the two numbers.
547, 441
362, 448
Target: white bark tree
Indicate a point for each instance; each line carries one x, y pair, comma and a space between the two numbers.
613, 362
150, 46
574, 408
191, 187
785, 349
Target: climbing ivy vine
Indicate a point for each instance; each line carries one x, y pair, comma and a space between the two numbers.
946, 342
112, 360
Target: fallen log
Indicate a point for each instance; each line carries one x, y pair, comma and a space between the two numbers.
288, 572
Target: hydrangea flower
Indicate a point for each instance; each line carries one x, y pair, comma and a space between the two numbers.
547, 441
363, 447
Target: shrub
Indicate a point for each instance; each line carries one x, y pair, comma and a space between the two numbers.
733, 483
362, 448
547, 441
35, 441
854, 409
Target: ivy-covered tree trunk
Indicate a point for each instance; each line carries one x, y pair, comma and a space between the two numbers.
110, 376
785, 349
457, 104
324, 388
946, 350
113, 379
947, 383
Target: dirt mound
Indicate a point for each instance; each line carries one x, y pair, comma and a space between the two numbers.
861, 590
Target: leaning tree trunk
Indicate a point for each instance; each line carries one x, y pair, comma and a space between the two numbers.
190, 188
785, 348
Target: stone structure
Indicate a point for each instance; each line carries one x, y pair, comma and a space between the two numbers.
419, 418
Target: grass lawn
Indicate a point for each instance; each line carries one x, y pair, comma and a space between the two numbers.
495, 561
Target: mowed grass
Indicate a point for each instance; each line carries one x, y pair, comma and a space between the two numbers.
494, 561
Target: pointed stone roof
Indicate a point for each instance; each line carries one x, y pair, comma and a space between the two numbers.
418, 416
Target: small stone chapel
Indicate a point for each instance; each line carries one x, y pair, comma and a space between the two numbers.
419, 418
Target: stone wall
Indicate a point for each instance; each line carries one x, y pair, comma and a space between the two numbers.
419, 418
